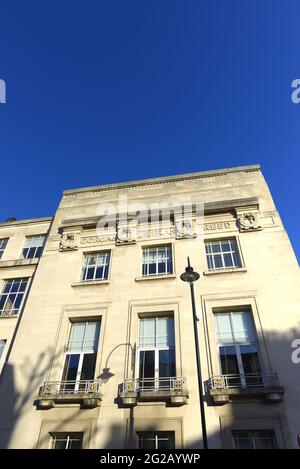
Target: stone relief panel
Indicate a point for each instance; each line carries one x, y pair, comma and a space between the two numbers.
68, 241
184, 228
126, 234
248, 221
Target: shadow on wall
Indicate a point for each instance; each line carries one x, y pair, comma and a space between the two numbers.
31, 374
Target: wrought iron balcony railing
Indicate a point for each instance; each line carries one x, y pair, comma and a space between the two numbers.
70, 388
224, 388
244, 381
154, 384
86, 392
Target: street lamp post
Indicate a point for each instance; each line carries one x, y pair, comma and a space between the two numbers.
190, 276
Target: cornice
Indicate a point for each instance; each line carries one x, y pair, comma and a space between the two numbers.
162, 180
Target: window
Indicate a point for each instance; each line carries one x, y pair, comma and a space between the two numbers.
71, 440
3, 243
254, 439
33, 246
222, 254
157, 261
12, 295
81, 355
96, 266
156, 352
238, 348
2, 346
156, 440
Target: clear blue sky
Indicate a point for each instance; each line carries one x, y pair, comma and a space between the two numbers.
105, 91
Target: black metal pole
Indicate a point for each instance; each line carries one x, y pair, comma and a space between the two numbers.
196, 319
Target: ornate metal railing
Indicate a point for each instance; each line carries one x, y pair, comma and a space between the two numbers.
61, 389
154, 384
265, 380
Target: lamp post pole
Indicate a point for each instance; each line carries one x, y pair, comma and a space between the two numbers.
190, 276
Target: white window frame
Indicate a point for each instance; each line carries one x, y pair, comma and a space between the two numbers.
3, 244
156, 348
156, 438
13, 311
211, 255
67, 439
252, 436
80, 352
167, 258
33, 242
237, 344
105, 264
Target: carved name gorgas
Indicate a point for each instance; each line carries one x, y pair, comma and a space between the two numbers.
214, 226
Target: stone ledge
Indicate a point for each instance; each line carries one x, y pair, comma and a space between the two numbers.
174, 398
86, 402
225, 271
90, 283
18, 262
155, 277
272, 394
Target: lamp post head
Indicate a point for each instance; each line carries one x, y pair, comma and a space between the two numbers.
189, 275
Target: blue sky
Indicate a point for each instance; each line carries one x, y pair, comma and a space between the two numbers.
106, 91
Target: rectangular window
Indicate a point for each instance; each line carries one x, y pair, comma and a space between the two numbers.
254, 439
157, 261
12, 295
222, 254
2, 346
70, 440
156, 352
3, 243
81, 355
156, 440
96, 266
33, 246
238, 349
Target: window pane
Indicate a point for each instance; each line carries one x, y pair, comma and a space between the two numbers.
147, 332
229, 361
71, 367
71, 440
243, 328
147, 369
76, 336
223, 328
251, 365
91, 336
165, 332
229, 249
167, 367
2, 346
88, 366
248, 439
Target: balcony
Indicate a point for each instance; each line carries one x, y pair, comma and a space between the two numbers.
86, 393
171, 390
226, 388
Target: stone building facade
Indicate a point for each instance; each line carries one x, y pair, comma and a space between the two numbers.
96, 330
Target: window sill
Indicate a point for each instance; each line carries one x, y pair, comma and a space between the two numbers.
19, 262
155, 277
225, 271
8, 316
90, 283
